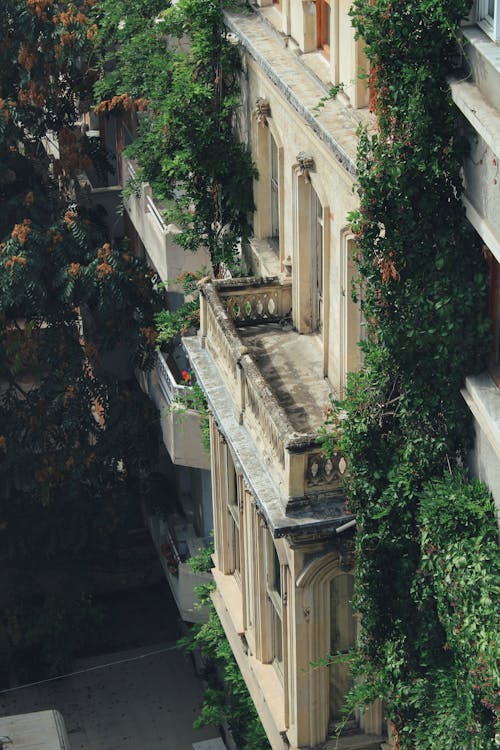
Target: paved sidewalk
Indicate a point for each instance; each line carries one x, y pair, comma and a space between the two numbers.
149, 703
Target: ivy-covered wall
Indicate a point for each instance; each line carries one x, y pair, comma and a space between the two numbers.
428, 570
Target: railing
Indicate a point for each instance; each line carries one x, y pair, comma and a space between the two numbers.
171, 390
247, 301
267, 416
224, 346
153, 210
251, 304
130, 168
302, 470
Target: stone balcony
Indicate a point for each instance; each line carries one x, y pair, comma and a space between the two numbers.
180, 425
264, 385
176, 542
158, 236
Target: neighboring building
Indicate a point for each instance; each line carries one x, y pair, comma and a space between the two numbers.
478, 98
41, 730
184, 524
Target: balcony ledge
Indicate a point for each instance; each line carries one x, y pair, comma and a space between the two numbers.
336, 125
298, 515
482, 396
261, 679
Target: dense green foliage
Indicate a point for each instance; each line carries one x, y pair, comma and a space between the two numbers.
76, 435
180, 61
226, 697
425, 535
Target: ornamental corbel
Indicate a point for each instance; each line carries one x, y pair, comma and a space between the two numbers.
305, 164
262, 110
346, 549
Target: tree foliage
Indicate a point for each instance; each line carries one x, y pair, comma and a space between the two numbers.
403, 425
186, 147
76, 314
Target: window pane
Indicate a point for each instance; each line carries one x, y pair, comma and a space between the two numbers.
236, 546
277, 637
275, 226
342, 638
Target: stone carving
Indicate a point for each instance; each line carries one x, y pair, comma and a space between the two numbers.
306, 164
262, 110
346, 547
256, 307
324, 470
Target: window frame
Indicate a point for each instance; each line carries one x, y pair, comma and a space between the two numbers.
274, 589
489, 24
233, 516
323, 26
317, 244
494, 312
274, 189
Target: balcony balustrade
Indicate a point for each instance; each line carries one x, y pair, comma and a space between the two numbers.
158, 236
275, 383
176, 542
172, 391
180, 425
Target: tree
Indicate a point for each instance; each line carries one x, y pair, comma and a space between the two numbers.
180, 61
76, 441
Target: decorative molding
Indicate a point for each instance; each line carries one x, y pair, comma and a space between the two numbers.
346, 547
322, 469
305, 163
262, 110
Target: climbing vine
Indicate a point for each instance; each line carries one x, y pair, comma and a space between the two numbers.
427, 569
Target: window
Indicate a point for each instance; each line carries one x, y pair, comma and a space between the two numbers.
317, 235
353, 327
273, 577
488, 17
274, 176
323, 14
342, 639
233, 513
494, 306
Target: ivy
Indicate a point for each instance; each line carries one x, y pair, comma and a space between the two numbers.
77, 442
403, 426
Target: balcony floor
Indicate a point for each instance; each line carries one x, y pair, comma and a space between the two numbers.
292, 365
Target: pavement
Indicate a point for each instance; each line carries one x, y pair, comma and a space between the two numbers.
140, 699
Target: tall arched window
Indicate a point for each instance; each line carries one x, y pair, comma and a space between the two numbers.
342, 639
317, 242
274, 188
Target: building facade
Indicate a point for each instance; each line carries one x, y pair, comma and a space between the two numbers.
271, 349
477, 96
276, 343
